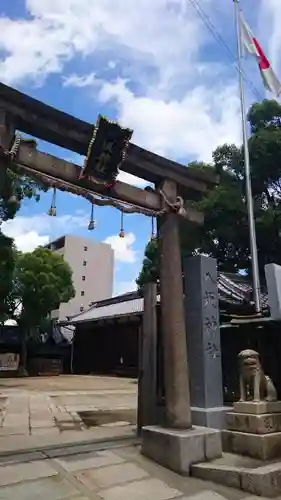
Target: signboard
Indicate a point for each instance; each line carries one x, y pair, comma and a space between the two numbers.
9, 361
106, 151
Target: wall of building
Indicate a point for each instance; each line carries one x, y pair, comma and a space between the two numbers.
99, 347
108, 348
92, 264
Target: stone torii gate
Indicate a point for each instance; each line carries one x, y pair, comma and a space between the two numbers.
19, 112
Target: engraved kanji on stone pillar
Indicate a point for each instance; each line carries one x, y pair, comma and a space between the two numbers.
203, 341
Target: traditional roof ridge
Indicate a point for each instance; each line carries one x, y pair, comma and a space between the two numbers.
131, 303
124, 297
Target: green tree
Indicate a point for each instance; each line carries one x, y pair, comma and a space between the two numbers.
7, 264
42, 281
150, 266
225, 234
14, 188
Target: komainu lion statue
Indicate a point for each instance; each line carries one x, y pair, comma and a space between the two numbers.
254, 384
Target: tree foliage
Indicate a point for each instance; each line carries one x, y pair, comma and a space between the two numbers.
14, 188
42, 280
7, 264
225, 234
150, 266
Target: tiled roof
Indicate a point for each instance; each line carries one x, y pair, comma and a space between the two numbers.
232, 288
112, 310
122, 305
237, 289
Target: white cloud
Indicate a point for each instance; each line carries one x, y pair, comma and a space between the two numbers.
184, 100
123, 247
132, 179
27, 242
80, 81
125, 287
192, 126
58, 29
31, 232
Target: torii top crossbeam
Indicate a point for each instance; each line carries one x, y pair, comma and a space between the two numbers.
47, 123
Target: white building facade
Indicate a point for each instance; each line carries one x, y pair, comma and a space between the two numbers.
92, 265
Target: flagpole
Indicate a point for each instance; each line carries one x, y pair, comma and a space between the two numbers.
249, 197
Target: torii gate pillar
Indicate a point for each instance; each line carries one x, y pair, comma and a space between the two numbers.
176, 377
177, 445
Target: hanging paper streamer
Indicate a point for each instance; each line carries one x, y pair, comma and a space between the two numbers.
122, 232
92, 222
106, 151
53, 210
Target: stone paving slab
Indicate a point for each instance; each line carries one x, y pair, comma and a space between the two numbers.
36, 415
44, 431
56, 488
22, 458
89, 460
105, 477
8, 431
147, 489
25, 442
121, 473
17, 473
205, 495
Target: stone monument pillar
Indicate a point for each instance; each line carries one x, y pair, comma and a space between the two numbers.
203, 342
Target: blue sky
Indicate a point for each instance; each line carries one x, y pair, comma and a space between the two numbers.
154, 66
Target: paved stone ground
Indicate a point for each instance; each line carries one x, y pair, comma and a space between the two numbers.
66, 383
46, 405
117, 473
42, 413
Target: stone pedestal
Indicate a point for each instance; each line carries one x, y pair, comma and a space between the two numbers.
260, 408
254, 429
203, 342
179, 449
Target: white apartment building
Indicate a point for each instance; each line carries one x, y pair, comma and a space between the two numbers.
92, 264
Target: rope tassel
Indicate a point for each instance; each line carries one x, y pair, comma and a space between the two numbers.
153, 232
92, 222
122, 232
53, 209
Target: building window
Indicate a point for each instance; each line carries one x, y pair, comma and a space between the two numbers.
83, 278
84, 263
82, 293
85, 249
81, 309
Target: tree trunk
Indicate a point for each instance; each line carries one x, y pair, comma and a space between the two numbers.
22, 371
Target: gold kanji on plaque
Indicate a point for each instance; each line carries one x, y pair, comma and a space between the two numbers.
106, 152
